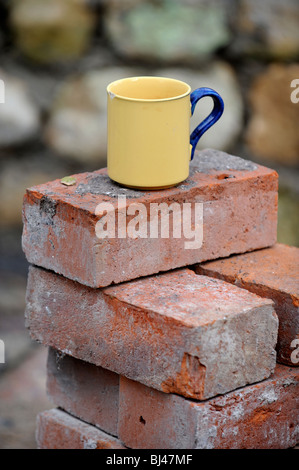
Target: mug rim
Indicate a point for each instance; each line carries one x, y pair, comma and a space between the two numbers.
150, 100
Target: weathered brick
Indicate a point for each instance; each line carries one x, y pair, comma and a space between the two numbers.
84, 390
271, 273
177, 332
260, 416
239, 214
59, 430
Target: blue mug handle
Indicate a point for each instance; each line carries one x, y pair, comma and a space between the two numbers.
213, 117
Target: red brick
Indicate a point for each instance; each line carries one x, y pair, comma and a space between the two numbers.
84, 390
260, 416
177, 332
271, 273
239, 214
59, 430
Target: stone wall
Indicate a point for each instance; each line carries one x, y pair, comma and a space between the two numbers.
58, 56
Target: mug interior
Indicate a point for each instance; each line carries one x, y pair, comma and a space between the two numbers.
148, 88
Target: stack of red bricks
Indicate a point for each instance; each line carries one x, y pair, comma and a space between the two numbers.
153, 344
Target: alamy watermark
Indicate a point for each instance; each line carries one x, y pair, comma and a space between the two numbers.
154, 220
2, 352
295, 93
2, 92
295, 353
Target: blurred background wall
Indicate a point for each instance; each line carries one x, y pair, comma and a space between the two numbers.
57, 57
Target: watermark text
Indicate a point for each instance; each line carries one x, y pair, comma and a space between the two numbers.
295, 353
295, 93
2, 352
154, 220
2, 92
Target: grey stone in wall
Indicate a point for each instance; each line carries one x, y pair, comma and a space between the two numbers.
168, 30
51, 31
77, 126
267, 29
221, 77
19, 115
272, 132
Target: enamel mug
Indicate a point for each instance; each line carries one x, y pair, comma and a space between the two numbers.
149, 144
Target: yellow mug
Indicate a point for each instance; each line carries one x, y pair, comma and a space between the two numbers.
148, 143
